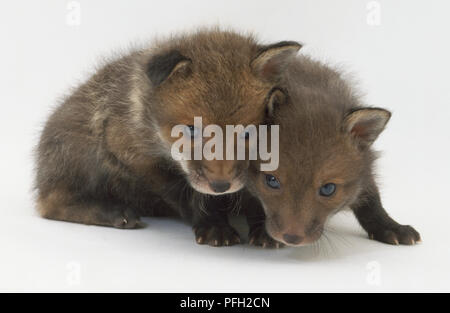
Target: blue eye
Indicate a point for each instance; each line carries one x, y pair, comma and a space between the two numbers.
192, 131
245, 135
327, 189
272, 182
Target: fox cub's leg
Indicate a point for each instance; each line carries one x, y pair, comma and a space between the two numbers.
61, 205
378, 224
214, 230
211, 226
256, 218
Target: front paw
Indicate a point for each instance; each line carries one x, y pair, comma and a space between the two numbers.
216, 235
402, 234
125, 219
258, 236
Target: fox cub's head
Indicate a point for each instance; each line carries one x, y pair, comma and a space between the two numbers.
225, 79
321, 171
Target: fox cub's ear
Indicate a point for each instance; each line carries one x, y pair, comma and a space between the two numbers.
271, 60
162, 66
277, 98
364, 125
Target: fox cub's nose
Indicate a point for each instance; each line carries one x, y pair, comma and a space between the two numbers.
292, 239
219, 186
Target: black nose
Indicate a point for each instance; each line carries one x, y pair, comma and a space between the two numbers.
220, 186
292, 239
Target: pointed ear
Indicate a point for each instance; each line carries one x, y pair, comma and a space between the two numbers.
364, 125
162, 66
271, 60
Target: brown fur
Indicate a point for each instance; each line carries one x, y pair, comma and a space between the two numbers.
104, 155
325, 137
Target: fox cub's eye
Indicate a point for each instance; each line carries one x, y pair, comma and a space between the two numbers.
327, 189
192, 131
272, 182
245, 135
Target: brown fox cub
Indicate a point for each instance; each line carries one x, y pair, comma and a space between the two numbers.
325, 163
104, 157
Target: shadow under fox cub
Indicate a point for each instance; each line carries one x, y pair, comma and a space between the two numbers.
326, 163
104, 154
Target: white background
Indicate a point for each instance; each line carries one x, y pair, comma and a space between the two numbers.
402, 64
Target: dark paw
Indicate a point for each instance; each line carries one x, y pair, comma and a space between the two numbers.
259, 237
401, 235
216, 236
126, 219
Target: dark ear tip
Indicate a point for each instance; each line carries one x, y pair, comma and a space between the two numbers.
297, 44
293, 44
282, 44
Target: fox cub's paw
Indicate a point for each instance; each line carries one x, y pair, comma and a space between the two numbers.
259, 237
125, 219
216, 235
400, 235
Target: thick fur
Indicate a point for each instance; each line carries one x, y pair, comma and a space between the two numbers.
325, 137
